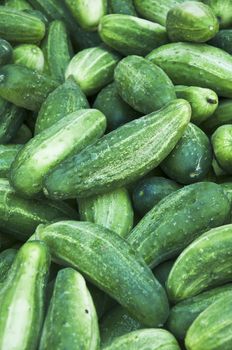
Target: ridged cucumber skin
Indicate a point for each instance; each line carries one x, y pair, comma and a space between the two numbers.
131, 35
183, 314
162, 271
7, 156
204, 264
20, 5
191, 159
203, 101
178, 219
20, 217
222, 116
223, 40
6, 52
108, 261
221, 142
25, 87
22, 136
52, 146
30, 268
222, 10
72, 296
191, 21
93, 68
122, 7
66, 99
29, 55
144, 339
197, 65
143, 85
6, 259
18, 26
122, 156
212, 328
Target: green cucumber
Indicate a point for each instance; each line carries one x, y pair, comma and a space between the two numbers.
143, 85
183, 314
22, 136
191, 159
218, 171
108, 261
6, 241
112, 210
178, 219
196, 64
19, 217
203, 101
191, 21
6, 259
131, 35
18, 26
70, 294
227, 186
122, 156
149, 191
222, 115
29, 55
66, 99
145, 339
223, 40
221, 141
6, 52
93, 68
18, 4
49, 148
101, 300
7, 156
222, 10
25, 87
123, 7
204, 264
162, 271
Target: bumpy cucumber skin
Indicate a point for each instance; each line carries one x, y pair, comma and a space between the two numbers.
29, 55
221, 141
111, 264
67, 98
25, 87
178, 219
131, 35
143, 85
222, 10
6, 52
184, 313
71, 305
22, 309
6, 259
122, 156
123, 7
223, 40
7, 156
112, 210
196, 64
222, 115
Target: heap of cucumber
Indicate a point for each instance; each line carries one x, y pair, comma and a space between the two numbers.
115, 175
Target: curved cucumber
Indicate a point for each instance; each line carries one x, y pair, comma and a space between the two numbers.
6, 259
122, 7
6, 52
29, 55
222, 115
222, 10
223, 40
221, 141
7, 156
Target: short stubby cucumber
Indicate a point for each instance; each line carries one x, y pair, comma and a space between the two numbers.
29, 55
222, 147
222, 116
7, 156
222, 10
122, 156
178, 219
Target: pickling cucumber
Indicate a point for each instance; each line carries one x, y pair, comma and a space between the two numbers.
29, 55
122, 7
222, 10
222, 115
221, 141
18, 4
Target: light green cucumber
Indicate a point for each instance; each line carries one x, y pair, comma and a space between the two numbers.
7, 156
221, 141
18, 4
222, 10
29, 55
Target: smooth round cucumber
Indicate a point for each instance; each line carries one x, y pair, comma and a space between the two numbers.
30, 56
222, 146
6, 52
222, 10
223, 40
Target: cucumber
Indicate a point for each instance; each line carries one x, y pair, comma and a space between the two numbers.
30, 268
221, 141
149, 191
197, 269
122, 156
18, 26
227, 186
22, 136
191, 21
25, 87
101, 300
50, 147
112, 210
6, 241
223, 40
93, 68
7, 156
108, 261
203, 101
178, 219
196, 64
19, 217
162, 271
131, 35
81, 330
29, 55
144, 339
143, 85
191, 159
6, 259
183, 314
218, 171
123, 7
222, 115
41, 16
6, 52
117, 111
66, 99
222, 10
18, 4
212, 328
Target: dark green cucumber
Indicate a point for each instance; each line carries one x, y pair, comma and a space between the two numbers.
162, 271
110, 263
66, 99
149, 191
93, 68
143, 85
18, 26
6, 241
7, 156
222, 10
19, 217
184, 313
6, 52
223, 40
221, 142
191, 159
112, 210
203, 101
204, 264
6, 259
131, 35
196, 64
22, 136
178, 219
222, 115
25, 87
122, 156
123, 7
72, 296
29, 55
20, 5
